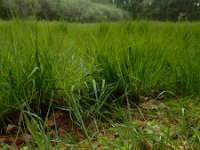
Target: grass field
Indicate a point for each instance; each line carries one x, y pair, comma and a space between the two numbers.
128, 85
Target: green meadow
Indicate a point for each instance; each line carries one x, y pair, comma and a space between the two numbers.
137, 83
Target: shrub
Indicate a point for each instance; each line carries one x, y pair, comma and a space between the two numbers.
68, 10
5, 8
87, 11
20, 8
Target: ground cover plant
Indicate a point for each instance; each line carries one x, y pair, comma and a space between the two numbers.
126, 85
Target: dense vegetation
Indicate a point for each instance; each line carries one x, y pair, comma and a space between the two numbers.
125, 85
172, 10
45, 61
101, 10
68, 10
97, 73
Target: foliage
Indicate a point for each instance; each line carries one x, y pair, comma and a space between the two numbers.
69, 10
20, 8
162, 9
101, 10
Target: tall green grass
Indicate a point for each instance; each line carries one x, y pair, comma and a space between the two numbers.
104, 63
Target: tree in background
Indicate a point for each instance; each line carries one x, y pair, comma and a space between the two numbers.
18, 8
68, 10
171, 9
101, 10
161, 9
5, 8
